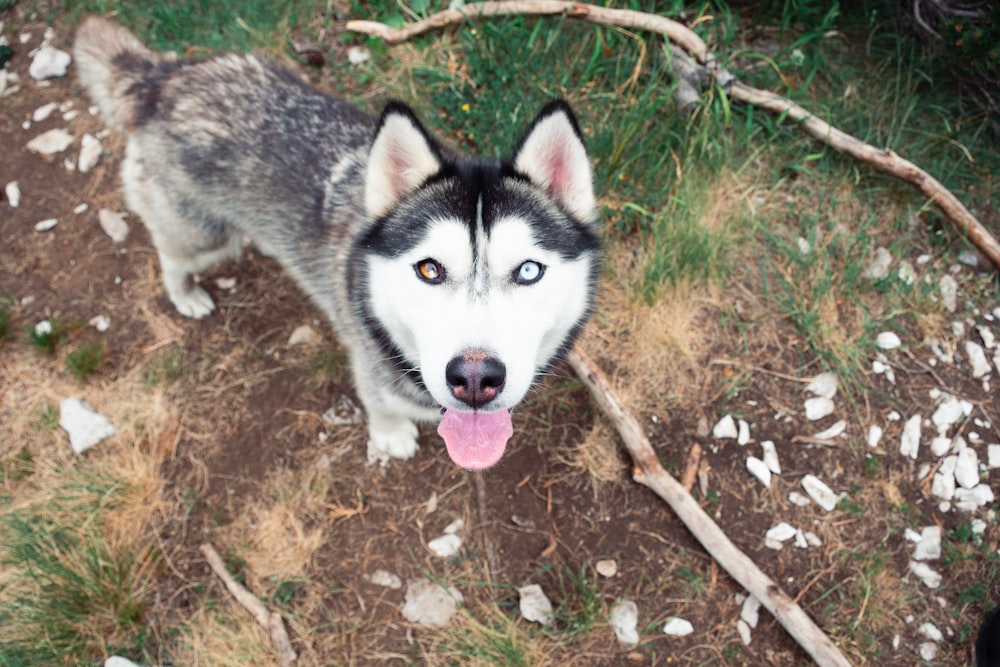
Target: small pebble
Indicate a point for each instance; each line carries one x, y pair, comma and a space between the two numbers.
887, 340
535, 605
823, 385
909, 442
678, 627
771, 457
46, 225
822, 494
725, 428
13, 192
874, 435
926, 574
623, 620
606, 568
759, 470
817, 408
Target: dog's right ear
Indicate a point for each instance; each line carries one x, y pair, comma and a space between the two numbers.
403, 155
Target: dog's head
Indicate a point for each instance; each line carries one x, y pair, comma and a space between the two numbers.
480, 273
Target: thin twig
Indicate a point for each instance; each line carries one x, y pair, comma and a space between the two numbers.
269, 620
740, 567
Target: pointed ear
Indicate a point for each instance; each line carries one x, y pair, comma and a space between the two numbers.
402, 157
552, 155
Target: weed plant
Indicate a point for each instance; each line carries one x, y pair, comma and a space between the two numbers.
84, 360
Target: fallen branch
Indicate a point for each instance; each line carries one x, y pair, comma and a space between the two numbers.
650, 473
269, 620
884, 160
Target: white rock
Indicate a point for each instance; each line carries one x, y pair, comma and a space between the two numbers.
969, 500
43, 327
836, 429
812, 539
909, 442
968, 258
429, 604
623, 620
817, 408
725, 428
895, 642
824, 385
949, 411
70, 115
118, 661
13, 193
80, 208
113, 224
926, 574
930, 631
993, 455
445, 546
978, 526
743, 432
744, 631
800, 539
887, 340
759, 470
454, 527
940, 446
907, 274
822, 494
782, 532
929, 544
90, 153
928, 651
49, 143
46, 225
797, 499
384, 578
69, 165
678, 627
943, 485
989, 339
100, 322
949, 292
874, 435
879, 266
750, 611
534, 605
977, 359
358, 54
771, 457
49, 62
43, 112
304, 335
967, 468
86, 427
606, 568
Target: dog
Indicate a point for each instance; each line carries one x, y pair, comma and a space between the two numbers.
452, 282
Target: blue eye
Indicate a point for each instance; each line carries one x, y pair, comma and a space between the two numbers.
529, 273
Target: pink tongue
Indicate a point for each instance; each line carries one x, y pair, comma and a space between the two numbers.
475, 440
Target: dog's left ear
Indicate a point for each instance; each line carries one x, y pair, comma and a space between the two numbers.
553, 156
402, 156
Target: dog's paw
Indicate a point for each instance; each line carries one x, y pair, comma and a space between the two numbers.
194, 302
391, 440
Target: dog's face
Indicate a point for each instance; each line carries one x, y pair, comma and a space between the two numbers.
480, 273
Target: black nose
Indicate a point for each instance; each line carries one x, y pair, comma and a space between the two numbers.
475, 378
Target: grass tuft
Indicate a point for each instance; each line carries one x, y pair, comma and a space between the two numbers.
84, 361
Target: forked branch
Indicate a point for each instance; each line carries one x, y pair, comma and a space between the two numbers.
882, 159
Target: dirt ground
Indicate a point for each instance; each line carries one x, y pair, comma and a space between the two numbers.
241, 440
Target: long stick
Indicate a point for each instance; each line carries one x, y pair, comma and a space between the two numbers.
269, 620
884, 160
740, 567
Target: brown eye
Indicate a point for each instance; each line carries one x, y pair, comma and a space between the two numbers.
429, 271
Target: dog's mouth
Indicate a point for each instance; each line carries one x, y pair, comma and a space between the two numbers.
475, 439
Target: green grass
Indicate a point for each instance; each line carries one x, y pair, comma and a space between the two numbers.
71, 596
5, 330
85, 359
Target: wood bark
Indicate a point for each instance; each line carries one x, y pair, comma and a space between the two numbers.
740, 567
884, 160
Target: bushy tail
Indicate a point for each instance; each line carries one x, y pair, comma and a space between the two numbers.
110, 61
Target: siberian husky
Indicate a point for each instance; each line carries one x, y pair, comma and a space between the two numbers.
452, 282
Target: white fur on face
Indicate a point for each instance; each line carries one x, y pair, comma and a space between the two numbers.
479, 307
